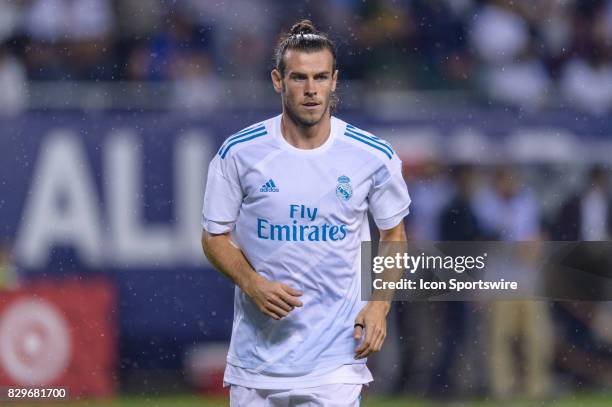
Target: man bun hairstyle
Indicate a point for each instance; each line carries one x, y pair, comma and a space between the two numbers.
303, 27
303, 36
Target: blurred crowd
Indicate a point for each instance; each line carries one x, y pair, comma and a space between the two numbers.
535, 349
514, 52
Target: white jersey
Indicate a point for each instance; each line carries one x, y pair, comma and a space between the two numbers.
299, 216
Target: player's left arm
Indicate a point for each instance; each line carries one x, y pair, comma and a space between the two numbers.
373, 317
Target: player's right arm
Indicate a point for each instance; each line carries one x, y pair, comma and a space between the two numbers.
222, 203
273, 298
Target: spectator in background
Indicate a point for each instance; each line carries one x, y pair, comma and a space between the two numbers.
241, 45
196, 88
138, 20
178, 39
13, 82
524, 82
419, 322
431, 193
386, 32
506, 210
552, 31
586, 83
138, 65
513, 72
586, 80
441, 39
511, 213
458, 222
71, 39
586, 215
168, 52
499, 32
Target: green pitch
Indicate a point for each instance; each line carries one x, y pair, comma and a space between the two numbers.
585, 400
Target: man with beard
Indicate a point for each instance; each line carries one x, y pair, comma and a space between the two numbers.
285, 212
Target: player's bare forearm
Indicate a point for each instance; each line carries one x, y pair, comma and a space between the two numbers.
228, 259
274, 299
396, 237
373, 317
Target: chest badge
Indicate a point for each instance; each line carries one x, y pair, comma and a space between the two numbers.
344, 190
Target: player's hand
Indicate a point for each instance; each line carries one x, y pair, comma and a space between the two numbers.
273, 298
374, 318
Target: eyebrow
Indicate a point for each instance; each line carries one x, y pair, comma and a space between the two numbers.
301, 74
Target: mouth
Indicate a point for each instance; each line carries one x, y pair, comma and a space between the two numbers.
311, 105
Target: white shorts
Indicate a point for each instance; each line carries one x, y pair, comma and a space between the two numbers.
329, 395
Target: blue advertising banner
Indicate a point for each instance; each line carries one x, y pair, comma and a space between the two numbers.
120, 194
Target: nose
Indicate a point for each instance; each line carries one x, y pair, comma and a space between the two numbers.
310, 88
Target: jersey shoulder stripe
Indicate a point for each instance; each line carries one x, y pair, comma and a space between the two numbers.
369, 140
246, 131
241, 133
372, 138
247, 134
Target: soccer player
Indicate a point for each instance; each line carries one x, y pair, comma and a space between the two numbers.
285, 211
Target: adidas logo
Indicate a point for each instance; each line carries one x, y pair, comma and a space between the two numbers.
269, 186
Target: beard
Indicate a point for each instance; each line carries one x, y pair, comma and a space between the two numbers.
304, 119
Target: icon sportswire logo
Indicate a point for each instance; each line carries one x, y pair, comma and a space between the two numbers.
269, 186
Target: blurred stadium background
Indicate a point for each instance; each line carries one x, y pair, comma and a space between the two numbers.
111, 109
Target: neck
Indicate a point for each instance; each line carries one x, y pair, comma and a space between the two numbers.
305, 137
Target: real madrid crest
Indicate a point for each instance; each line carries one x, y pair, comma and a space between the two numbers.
344, 190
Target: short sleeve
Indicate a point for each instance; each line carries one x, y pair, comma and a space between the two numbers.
389, 199
222, 196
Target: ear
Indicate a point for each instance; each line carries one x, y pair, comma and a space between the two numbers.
334, 80
277, 80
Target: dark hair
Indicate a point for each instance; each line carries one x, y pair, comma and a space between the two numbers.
303, 36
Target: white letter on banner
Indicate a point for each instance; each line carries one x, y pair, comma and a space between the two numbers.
132, 243
61, 206
192, 154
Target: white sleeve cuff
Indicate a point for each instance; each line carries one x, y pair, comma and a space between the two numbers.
217, 228
393, 221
